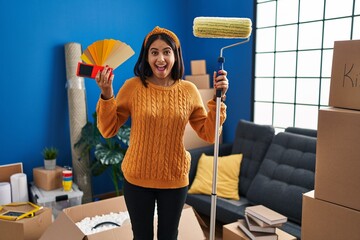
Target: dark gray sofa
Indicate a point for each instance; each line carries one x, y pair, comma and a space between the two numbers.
275, 171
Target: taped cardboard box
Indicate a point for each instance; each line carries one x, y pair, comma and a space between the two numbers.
9, 169
201, 81
345, 84
325, 220
189, 227
231, 231
191, 139
26, 228
48, 179
198, 67
337, 177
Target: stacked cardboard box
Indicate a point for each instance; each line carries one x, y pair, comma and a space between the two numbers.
201, 79
332, 210
199, 75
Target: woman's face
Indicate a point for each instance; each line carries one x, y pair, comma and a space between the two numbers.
161, 59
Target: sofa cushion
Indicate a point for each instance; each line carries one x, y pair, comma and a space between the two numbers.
252, 140
302, 131
227, 176
224, 150
285, 174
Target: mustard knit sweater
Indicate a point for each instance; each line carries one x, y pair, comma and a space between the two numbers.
156, 157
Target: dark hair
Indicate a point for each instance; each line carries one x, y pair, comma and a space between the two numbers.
142, 68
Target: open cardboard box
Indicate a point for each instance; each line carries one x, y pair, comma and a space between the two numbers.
64, 226
27, 228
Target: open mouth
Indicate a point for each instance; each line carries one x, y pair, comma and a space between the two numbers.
161, 68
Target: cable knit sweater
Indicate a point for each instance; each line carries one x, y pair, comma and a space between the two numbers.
156, 157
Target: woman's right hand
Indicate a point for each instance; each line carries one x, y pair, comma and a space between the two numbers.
104, 80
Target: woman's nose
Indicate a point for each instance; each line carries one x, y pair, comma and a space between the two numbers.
161, 58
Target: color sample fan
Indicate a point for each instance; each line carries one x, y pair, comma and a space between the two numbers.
107, 52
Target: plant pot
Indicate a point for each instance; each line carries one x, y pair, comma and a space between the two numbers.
50, 164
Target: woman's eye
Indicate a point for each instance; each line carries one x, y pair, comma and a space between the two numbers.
154, 53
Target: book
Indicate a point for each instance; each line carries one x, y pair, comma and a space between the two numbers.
253, 226
266, 214
255, 235
262, 223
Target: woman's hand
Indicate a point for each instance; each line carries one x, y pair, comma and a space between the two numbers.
104, 80
220, 81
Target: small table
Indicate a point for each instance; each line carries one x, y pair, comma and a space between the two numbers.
231, 231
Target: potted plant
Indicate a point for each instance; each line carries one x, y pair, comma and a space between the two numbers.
50, 154
107, 152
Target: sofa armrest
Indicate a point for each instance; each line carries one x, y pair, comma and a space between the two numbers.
224, 150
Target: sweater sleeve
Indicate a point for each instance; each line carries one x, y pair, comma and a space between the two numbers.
114, 112
204, 122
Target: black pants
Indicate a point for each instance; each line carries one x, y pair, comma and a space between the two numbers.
140, 203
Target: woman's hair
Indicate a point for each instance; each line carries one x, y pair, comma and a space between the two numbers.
142, 68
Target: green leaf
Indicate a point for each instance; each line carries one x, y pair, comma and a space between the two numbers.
108, 152
97, 168
124, 134
89, 138
107, 155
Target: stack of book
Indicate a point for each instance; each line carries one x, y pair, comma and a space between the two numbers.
260, 223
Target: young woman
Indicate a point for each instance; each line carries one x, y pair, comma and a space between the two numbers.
160, 104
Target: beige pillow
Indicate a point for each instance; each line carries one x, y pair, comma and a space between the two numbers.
227, 180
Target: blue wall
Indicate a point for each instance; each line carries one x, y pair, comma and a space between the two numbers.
33, 99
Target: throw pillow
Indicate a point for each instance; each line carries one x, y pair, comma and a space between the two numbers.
227, 180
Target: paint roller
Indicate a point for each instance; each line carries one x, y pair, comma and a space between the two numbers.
220, 27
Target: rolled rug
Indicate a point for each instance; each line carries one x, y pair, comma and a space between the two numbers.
78, 118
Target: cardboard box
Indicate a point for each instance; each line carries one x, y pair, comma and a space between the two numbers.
233, 232
345, 84
325, 220
337, 176
26, 228
9, 169
191, 139
189, 227
48, 179
56, 199
201, 81
198, 67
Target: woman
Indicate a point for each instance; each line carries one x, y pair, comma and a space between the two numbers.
160, 104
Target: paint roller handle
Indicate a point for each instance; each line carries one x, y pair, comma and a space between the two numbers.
221, 61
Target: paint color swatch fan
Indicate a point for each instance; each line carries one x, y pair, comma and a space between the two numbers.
107, 52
